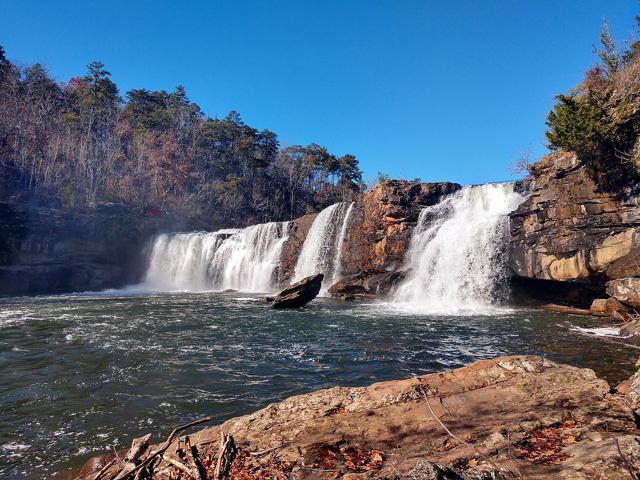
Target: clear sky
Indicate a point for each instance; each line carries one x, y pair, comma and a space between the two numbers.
446, 90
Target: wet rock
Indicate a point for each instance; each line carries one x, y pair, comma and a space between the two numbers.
631, 331
371, 282
298, 230
383, 221
626, 290
546, 420
300, 293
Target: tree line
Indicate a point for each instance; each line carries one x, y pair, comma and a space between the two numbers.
79, 143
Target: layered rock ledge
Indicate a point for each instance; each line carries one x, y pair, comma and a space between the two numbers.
510, 417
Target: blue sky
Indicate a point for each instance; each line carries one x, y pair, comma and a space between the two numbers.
448, 90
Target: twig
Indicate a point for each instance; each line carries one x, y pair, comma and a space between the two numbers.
226, 455
452, 435
177, 464
105, 468
625, 460
263, 452
193, 459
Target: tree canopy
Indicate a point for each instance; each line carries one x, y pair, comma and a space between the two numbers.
80, 142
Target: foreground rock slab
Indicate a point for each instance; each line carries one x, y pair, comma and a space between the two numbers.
300, 293
510, 417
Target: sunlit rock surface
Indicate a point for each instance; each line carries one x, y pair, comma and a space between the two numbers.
569, 229
519, 414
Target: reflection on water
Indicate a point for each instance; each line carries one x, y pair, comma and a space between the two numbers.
82, 374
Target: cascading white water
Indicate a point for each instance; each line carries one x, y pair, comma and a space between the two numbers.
337, 263
321, 246
456, 256
248, 260
245, 260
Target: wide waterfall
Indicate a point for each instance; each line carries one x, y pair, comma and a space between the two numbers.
246, 260
456, 257
323, 243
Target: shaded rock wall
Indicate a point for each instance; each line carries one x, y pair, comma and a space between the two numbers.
45, 251
569, 230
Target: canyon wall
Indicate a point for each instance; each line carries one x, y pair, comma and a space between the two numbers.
570, 230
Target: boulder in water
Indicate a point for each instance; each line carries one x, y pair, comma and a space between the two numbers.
300, 293
368, 282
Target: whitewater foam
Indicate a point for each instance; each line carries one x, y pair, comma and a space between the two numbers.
456, 257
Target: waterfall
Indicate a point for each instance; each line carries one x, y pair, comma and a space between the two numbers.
337, 264
457, 258
246, 260
323, 242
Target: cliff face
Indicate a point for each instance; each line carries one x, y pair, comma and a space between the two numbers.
383, 220
44, 251
569, 230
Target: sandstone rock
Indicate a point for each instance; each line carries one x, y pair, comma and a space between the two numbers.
549, 421
300, 293
626, 290
605, 307
568, 229
383, 220
371, 282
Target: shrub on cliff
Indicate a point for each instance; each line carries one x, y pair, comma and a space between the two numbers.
600, 118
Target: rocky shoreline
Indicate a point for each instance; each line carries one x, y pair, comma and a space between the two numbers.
505, 418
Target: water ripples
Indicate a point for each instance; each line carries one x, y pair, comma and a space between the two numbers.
81, 374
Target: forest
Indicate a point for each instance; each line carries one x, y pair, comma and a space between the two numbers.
78, 143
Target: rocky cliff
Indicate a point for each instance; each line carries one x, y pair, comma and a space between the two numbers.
569, 230
45, 251
383, 221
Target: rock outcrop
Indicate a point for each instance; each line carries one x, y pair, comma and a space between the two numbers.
571, 232
300, 293
384, 218
45, 251
626, 290
369, 282
510, 417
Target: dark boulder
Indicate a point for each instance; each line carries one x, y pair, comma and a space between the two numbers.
370, 282
300, 293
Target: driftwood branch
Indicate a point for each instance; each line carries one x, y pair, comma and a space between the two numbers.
138, 447
105, 468
177, 464
226, 454
158, 452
